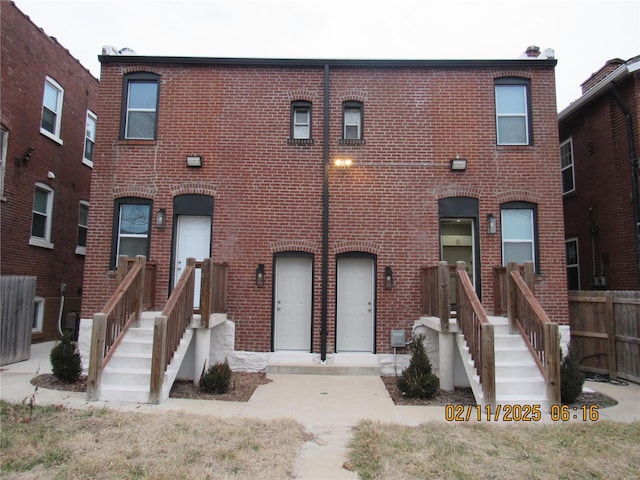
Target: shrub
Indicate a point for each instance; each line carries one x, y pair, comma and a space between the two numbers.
65, 361
417, 380
216, 379
571, 379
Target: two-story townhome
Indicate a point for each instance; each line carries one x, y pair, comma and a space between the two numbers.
325, 186
599, 148
47, 134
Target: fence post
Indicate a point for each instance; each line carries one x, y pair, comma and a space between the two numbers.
123, 267
96, 355
611, 334
488, 373
529, 276
444, 306
142, 261
206, 285
552, 362
158, 358
512, 307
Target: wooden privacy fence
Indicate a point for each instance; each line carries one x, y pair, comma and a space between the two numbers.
605, 332
17, 294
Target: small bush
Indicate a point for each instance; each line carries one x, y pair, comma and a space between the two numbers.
65, 361
216, 379
571, 379
417, 380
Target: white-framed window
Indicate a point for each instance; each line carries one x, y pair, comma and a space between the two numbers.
134, 223
4, 142
38, 314
83, 227
566, 164
512, 113
352, 113
518, 235
573, 266
89, 138
51, 121
42, 216
301, 120
141, 108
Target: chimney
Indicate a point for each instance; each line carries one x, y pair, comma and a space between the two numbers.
532, 51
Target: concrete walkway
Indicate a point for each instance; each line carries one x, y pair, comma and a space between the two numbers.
327, 405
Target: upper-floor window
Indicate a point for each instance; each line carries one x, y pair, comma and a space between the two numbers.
42, 216
52, 110
132, 224
352, 120
89, 138
566, 164
573, 266
301, 120
519, 232
83, 227
512, 112
140, 106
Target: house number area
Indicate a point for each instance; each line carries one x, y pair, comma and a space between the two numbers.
518, 413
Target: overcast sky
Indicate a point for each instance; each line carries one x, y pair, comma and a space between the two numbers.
583, 33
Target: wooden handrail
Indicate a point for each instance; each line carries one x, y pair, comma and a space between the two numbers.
478, 333
435, 292
540, 334
109, 326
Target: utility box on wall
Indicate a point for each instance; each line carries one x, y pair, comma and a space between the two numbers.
398, 338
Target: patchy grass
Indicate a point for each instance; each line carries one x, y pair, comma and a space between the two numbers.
601, 450
52, 443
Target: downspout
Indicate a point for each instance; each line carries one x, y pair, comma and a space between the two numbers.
325, 223
634, 171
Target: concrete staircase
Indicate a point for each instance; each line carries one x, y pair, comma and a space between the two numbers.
127, 376
518, 379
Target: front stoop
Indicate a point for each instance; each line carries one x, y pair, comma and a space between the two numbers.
297, 363
127, 376
518, 379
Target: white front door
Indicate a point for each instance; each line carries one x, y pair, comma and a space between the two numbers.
193, 239
355, 305
293, 291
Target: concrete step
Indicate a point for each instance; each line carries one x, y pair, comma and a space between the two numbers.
125, 376
520, 386
135, 347
135, 360
516, 369
322, 369
507, 341
124, 393
513, 355
140, 334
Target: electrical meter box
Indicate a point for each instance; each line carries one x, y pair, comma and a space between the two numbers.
398, 338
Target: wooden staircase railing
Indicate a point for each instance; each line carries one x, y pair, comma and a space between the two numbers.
121, 312
540, 334
435, 293
478, 333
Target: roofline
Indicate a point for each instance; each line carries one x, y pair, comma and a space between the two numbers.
288, 62
619, 73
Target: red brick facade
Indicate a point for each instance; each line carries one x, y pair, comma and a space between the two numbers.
599, 213
28, 56
268, 192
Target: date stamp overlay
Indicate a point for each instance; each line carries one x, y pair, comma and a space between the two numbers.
518, 413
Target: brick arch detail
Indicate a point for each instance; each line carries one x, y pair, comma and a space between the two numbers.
142, 191
357, 95
517, 195
458, 191
290, 245
302, 94
140, 69
191, 188
363, 246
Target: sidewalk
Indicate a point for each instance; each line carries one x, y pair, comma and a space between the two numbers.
327, 405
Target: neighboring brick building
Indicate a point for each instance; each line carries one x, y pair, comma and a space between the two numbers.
48, 100
599, 145
274, 195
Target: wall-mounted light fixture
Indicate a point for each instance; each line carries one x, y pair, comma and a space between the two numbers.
25, 158
161, 218
458, 164
491, 224
343, 162
194, 161
260, 275
388, 278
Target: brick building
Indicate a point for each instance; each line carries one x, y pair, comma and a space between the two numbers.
48, 121
599, 142
325, 186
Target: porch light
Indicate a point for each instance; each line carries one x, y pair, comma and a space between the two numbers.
260, 275
343, 162
458, 164
491, 224
161, 218
388, 278
194, 161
